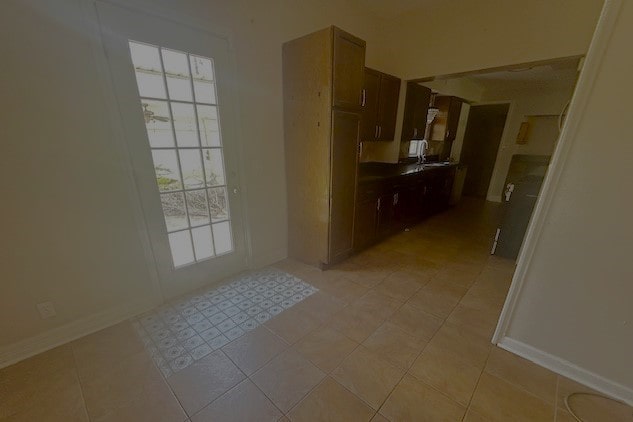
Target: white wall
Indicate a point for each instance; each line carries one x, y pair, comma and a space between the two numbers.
575, 304
68, 228
523, 103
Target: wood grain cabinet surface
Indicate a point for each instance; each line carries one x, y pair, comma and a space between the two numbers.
380, 106
323, 86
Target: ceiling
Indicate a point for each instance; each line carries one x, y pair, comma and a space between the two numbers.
392, 8
561, 72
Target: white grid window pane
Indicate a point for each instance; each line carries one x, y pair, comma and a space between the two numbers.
202, 242
222, 238
184, 116
166, 169
148, 70
209, 126
158, 123
179, 108
198, 207
218, 204
181, 249
205, 92
174, 211
213, 166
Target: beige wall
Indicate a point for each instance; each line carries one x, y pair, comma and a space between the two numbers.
68, 229
575, 303
523, 103
435, 40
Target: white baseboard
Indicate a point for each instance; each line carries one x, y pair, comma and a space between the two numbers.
568, 369
66, 333
270, 257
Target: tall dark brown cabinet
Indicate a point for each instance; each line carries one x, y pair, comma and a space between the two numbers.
416, 106
323, 97
380, 106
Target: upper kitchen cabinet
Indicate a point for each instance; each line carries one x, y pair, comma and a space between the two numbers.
444, 126
322, 87
380, 106
416, 107
349, 65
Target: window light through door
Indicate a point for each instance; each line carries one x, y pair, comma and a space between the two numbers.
180, 109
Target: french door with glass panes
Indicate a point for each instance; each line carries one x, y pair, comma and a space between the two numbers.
172, 84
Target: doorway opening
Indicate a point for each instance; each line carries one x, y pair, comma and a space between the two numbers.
501, 126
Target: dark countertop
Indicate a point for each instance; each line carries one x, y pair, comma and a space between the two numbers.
372, 172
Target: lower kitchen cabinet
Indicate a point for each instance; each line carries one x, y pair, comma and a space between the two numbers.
388, 206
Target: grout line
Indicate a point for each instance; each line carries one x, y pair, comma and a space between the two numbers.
81, 386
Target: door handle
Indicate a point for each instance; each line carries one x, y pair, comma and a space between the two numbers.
509, 190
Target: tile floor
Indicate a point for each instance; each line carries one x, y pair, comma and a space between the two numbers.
400, 332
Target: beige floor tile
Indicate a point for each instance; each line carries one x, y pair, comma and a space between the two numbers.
133, 389
36, 379
564, 416
474, 417
438, 297
455, 378
357, 324
462, 344
253, 350
61, 403
379, 305
344, 289
96, 353
395, 345
331, 402
369, 277
416, 322
401, 285
597, 408
320, 306
287, 379
379, 418
326, 348
292, 324
204, 381
523, 373
498, 400
479, 322
368, 376
412, 400
244, 402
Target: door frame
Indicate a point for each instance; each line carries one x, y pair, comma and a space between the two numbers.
158, 294
506, 131
602, 34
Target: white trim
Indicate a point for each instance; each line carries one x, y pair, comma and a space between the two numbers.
568, 369
73, 330
598, 46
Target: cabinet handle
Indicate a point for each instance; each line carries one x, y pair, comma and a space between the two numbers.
363, 97
395, 199
376, 132
379, 131
378, 205
415, 132
448, 133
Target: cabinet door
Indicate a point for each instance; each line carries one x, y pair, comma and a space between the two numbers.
345, 130
388, 107
415, 111
371, 90
365, 223
454, 110
348, 69
385, 214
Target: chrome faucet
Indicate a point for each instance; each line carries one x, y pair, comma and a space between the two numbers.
424, 146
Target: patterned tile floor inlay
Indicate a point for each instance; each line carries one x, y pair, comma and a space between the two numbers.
181, 332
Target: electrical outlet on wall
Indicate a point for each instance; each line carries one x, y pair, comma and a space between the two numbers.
46, 309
